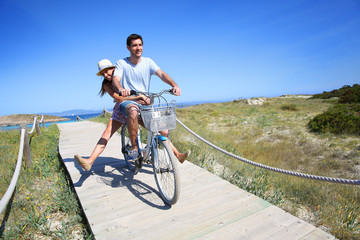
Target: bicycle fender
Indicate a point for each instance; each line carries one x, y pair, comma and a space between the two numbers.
162, 138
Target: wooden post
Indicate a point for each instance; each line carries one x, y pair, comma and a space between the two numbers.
42, 121
38, 131
26, 154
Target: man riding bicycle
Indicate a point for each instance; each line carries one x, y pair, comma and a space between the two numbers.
134, 73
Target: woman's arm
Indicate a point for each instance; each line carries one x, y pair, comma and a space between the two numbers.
141, 98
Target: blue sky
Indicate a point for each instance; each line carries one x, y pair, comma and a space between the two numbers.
214, 50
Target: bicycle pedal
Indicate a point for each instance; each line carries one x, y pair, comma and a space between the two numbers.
139, 162
136, 170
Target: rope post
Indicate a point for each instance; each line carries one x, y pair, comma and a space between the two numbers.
38, 131
42, 121
26, 153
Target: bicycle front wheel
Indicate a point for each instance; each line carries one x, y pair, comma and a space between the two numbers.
166, 172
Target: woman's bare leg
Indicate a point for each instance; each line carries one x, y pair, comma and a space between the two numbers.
180, 156
111, 128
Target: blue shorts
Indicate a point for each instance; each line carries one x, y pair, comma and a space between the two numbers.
125, 104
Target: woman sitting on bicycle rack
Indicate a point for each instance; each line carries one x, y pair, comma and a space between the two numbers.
106, 69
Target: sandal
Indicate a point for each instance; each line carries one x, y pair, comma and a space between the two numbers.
85, 166
184, 156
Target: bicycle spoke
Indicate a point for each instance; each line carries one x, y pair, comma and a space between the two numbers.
165, 172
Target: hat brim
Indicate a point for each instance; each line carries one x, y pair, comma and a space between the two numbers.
102, 70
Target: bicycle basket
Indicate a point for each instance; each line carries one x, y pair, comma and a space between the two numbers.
158, 118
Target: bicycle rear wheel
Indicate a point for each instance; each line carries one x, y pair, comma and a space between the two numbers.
166, 172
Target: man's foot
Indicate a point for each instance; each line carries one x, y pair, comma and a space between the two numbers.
85, 165
133, 154
182, 157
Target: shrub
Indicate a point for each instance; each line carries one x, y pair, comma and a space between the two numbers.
333, 93
351, 95
341, 118
289, 107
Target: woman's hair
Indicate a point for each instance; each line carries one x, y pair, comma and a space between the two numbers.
102, 90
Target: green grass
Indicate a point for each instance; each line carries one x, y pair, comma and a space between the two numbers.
44, 204
276, 134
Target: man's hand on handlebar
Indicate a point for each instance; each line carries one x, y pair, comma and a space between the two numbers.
124, 92
176, 91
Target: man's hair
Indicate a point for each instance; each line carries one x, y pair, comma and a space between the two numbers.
133, 37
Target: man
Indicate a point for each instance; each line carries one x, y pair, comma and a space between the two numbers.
134, 73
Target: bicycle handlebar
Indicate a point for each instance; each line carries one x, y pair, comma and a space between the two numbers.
133, 92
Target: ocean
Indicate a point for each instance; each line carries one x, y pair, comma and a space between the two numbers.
91, 115
72, 118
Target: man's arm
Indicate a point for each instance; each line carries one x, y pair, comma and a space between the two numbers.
117, 85
167, 79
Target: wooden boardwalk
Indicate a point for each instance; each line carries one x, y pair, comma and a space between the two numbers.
120, 205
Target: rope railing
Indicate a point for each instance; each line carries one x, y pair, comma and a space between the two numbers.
33, 127
293, 173
78, 119
297, 174
5, 199
24, 152
36, 125
102, 114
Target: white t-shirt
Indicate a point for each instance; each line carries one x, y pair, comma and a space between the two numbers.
136, 77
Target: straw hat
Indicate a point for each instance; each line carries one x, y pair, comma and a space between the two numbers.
103, 65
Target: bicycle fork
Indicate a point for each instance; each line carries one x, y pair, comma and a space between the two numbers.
155, 143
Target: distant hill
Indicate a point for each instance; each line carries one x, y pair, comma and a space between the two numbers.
86, 111
18, 119
72, 112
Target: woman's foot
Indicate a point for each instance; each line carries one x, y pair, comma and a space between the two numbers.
85, 165
183, 156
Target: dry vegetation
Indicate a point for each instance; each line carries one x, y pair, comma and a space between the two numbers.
276, 134
44, 205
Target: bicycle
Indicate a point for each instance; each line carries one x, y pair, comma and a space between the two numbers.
157, 150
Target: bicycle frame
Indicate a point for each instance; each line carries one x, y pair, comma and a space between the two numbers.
151, 141
159, 154
144, 152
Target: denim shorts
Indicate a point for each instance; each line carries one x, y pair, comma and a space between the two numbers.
125, 104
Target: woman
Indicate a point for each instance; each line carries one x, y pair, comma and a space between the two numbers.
106, 69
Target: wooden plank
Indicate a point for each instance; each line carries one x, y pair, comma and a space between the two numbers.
318, 234
249, 225
120, 205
